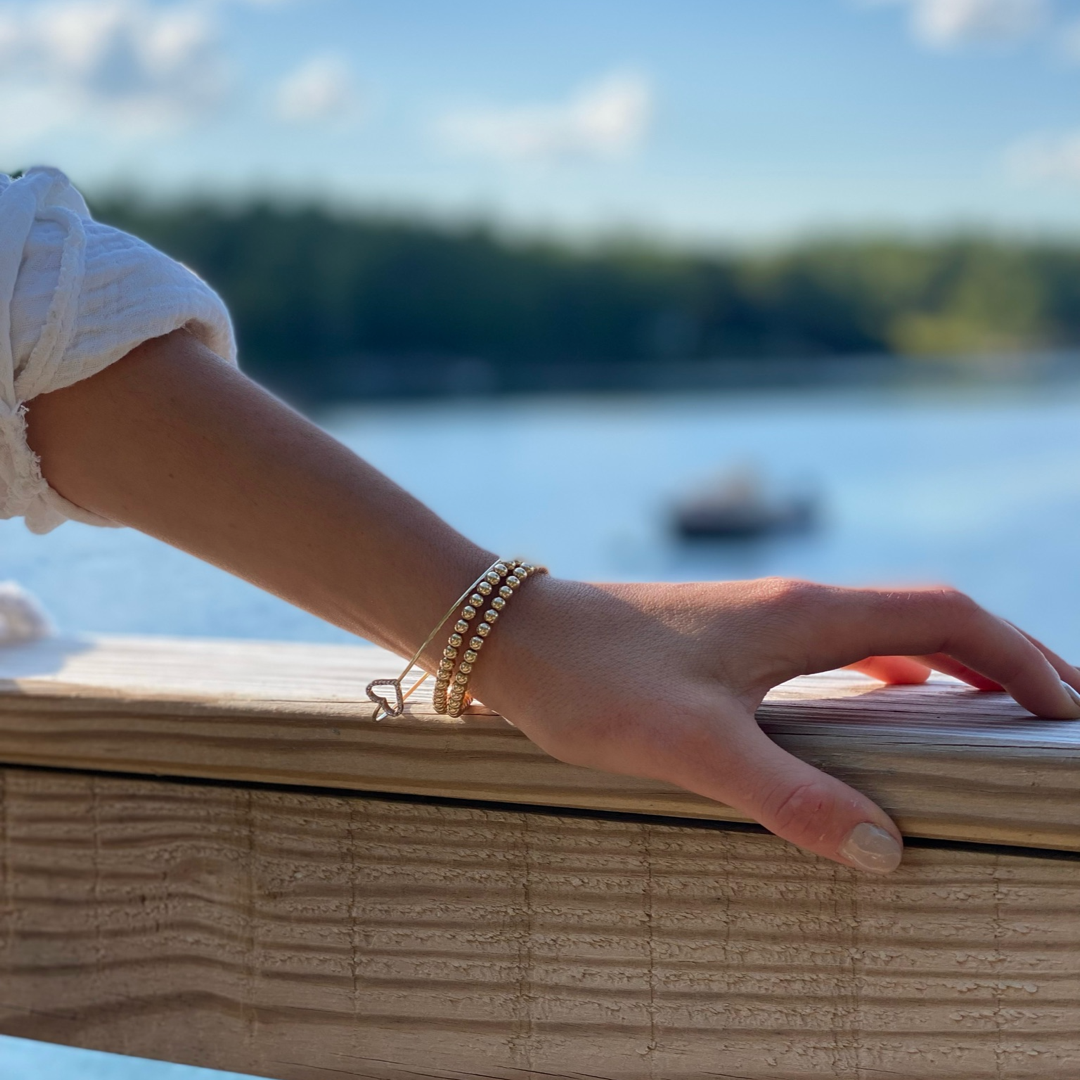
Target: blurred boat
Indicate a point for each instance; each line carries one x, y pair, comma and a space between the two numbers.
737, 506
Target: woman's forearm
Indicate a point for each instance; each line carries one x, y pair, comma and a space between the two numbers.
656, 680
178, 444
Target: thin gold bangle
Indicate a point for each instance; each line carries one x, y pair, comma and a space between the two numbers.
397, 707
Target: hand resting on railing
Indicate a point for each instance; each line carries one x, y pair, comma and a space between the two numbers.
656, 680
117, 372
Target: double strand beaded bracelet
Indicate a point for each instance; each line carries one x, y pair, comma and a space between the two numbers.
501, 578
451, 687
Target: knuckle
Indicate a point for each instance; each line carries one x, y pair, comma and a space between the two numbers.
785, 593
802, 813
959, 614
943, 606
953, 600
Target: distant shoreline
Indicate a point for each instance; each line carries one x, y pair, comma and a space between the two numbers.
331, 307
362, 380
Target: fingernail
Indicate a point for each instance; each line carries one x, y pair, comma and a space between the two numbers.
1074, 697
870, 847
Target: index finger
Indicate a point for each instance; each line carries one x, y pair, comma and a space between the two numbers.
849, 625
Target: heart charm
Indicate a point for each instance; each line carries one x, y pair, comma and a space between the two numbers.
383, 703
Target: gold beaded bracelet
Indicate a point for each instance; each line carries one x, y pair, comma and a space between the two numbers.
451, 687
445, 677
475, 594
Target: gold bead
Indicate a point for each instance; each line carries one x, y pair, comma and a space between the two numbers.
476, 642
493, 577
485, 588
513, 581
446, 665
490, 616
461, 626
455, 640
470, 656
498, 603
449, 653
501, 569
461, 680
465, 668
483, 629
476, 600
468, 611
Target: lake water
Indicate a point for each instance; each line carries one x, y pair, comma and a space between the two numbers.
980, 489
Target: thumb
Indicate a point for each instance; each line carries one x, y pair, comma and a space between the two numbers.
806, 806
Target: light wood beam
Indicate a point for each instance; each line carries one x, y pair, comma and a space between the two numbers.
946, 761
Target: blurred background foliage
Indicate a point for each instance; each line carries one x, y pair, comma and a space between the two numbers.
332, 306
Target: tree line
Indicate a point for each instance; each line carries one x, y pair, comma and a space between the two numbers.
331, 305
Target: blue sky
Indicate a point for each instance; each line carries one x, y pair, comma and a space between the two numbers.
699, 119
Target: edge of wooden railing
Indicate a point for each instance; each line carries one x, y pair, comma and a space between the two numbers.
945, 761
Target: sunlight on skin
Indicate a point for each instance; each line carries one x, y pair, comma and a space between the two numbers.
174, 442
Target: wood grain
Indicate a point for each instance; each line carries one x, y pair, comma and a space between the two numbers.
945, 761
309, 935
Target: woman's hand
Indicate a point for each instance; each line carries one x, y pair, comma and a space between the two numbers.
650, 680
663, 681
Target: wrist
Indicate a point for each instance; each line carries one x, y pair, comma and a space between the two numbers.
521, 654
418, 608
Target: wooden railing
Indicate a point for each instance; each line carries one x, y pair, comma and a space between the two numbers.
210, 854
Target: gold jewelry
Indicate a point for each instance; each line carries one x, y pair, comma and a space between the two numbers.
476, 594
445, 677
457, 693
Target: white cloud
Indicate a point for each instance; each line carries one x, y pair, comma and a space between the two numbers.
608, 118
946, 23
322, 89
1053, 158
120, 66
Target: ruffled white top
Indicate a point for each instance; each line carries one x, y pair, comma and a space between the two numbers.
76, 295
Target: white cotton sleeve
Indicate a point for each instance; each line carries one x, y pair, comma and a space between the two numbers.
76, 295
